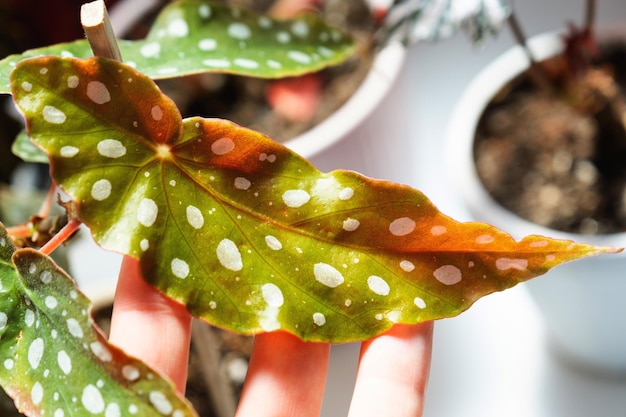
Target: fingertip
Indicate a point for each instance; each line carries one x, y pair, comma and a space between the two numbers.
290, 372
149, 326
393, 372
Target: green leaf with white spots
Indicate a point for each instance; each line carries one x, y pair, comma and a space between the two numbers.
248, 234
54, 362
413, 21
195, 36
24, 148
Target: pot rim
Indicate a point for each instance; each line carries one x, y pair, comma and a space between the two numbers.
374, 88
460, 137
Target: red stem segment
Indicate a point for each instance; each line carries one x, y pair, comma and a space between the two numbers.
63, 235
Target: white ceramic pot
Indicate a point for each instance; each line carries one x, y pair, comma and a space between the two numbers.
379, 80
583, 303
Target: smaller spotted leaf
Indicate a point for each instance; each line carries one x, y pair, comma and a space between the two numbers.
53, 362
244, 232
413, 21
194, 36
24, 148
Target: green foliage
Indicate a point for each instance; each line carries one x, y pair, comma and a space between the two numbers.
248, 234
53, 361
414, 21
26, 149
194, 36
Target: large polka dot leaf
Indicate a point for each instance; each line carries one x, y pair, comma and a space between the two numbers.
244, 232
53, 362
195, 36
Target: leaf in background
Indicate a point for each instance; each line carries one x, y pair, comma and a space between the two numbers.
24, 148
53, 362
194, 36
413, 21
248, 234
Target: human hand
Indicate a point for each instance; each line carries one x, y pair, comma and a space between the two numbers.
286, 376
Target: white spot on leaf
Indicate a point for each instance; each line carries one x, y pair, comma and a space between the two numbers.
72, 81
26, 86
438, 230
319, 319
273, 243
222, 146
65, 362
35, 352
350, 225
407, 266
402, 226
296, 198
327, 275
239, 31
113, 410
448, 274
111, 148
161, 403
74, 328
53, 115
246, 63
147, 212
195, 217
101, 351
130, 372
69, 151
216, 63
151, 50
36, 394
29, 318
346, 194
101, 190
484, 239
420, 303
45, 277
229, 256
156, 112
92, 399
272, 295
180, 268
51, 302
242, 183
504, 264
207, 44
378, 285
98, 92
299, 57
178, 28
300, 28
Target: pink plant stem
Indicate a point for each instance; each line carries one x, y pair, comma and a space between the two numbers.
63, 235
22, 230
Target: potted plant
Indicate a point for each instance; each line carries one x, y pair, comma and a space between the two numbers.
242, 231
566, 104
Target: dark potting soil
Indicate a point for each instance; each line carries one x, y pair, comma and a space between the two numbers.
553, 164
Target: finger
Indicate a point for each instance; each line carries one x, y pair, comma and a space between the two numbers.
286, 377
149, 326
392, 374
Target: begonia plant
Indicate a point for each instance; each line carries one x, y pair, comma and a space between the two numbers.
248, 235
